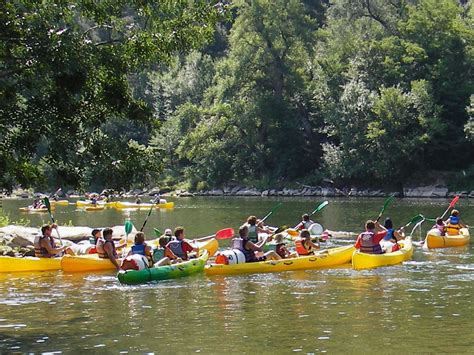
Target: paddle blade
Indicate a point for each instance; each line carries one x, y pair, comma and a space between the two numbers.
454, 201
416, 219
47, 204
128, 227
293, 232
225, 233
157, 232
320, 207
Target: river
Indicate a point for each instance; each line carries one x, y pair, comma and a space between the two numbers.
424, 305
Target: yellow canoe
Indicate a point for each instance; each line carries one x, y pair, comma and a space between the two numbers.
35, 210
13, 264
435, 241
124, 205
59, 202
94, 208
369, 261
334, 257
94, 263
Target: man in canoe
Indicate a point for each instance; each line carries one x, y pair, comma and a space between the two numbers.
369, 241
248, 248
45, 247
180, 247
305, 223
106, 247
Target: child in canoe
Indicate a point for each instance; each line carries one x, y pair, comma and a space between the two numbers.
440, 226
163, 255
454, 224
279, 246
389, 242
304, 245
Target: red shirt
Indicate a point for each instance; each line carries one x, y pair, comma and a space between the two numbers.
187, 248
377, 238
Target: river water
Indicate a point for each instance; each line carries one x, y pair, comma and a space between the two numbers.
424, 305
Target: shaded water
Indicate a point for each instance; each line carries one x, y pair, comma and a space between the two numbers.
424, 305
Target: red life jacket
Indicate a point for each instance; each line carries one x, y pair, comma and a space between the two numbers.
368, 245
301, 249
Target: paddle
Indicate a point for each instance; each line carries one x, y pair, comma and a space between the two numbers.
271, 212
451, 205
149, 213
225, 233
319, 208
415, 219
387, 202
55, 194
48, 206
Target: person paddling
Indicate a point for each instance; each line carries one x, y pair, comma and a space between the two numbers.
45, 247
454, 224
106, 247
440, 226
305, 223
163, 255
180, 247
248, 248
389, 242
255, 227
369, 241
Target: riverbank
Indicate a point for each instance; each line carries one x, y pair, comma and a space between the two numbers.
430, 191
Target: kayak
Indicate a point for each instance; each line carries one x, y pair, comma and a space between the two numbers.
88, 203
436, 241
94, 208
123, 205
30, 209
59, 202
334, 257
186, 268
14, 264
368, 261
92, 262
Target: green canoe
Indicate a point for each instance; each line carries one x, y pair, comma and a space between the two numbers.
186, 268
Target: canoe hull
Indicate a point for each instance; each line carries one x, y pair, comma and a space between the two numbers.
27, 264
187, 268
369, 261
434, 241
131, 205
88, 263
335, 257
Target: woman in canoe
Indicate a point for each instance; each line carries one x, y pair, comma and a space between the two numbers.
454, 224
249, 249
106, 247
254, 228
280, 246
369, 241
304, 245
45, 247
141, 248
389, 242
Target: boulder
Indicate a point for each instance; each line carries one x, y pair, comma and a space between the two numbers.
265, 193
248, 192
235, 189
328, 192
216, 192
19, 236
471, 194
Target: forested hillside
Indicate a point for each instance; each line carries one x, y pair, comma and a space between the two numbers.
124, 93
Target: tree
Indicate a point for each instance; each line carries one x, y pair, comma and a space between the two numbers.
64, 71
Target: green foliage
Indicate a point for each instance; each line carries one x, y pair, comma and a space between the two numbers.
126, 93
65, 70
